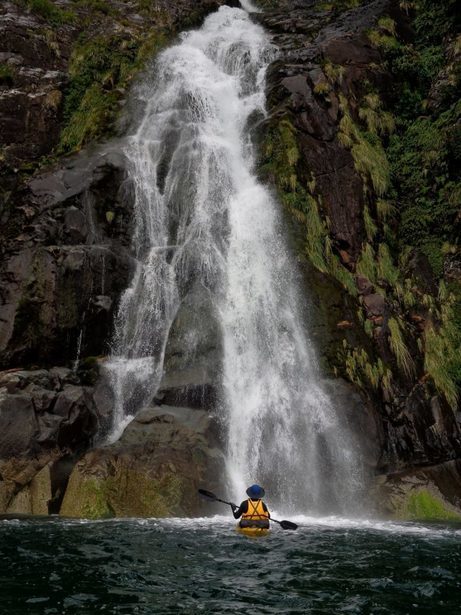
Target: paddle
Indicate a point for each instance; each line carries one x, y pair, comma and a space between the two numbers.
286, 525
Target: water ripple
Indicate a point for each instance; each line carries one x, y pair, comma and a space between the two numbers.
145, 567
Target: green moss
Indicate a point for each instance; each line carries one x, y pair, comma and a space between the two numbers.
50, 12
7, 74
94, 502
422, 505
124, 489
102, 6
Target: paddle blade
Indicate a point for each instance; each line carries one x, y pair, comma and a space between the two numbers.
288, 525
207, 494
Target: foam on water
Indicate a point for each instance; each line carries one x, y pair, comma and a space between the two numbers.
220, 522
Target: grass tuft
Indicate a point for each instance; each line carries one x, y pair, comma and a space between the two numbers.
366, 264
53, 14
370, 227
386, 268
399, 348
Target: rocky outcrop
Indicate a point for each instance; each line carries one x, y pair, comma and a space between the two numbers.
37, 48
325, 153
153, 470
65, 262
47, 420
66, 237
431, 493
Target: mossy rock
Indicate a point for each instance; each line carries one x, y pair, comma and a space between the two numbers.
423, 504
127, 491
152, 471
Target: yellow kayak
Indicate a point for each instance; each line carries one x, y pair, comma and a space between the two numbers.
253, 532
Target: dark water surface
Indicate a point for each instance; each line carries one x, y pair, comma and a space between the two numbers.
204, 566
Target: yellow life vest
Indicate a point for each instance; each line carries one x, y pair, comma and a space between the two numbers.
255, 511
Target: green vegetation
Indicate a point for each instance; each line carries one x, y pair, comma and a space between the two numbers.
122, 490
424, 153
280, 164
443, 346
334, 72
336, 6
377, 120
100, 70
363, 372
423, 505
7, 74
339, 5
366, 148
387, 271
425, 167
399, 348
102, 6
366, 264
53, 14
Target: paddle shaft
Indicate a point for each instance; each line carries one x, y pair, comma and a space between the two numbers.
211, 496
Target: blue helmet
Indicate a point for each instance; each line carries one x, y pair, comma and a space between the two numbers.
255, 492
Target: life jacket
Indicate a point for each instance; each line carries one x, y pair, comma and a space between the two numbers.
255, 512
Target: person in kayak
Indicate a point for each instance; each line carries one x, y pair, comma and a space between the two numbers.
253, 512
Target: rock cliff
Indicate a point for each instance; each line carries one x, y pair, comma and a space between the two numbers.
65, 68
343, 144
339, 145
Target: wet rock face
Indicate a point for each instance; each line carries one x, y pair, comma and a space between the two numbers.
30, 102
65, 262
325, 58
297, 85
426, 494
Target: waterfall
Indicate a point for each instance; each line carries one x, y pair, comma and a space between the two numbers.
202, 215
249, 6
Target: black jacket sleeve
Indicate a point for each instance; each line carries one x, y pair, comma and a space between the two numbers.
243, 508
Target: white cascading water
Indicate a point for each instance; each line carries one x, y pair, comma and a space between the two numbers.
202, 214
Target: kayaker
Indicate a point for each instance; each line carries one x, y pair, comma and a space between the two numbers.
253, 512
